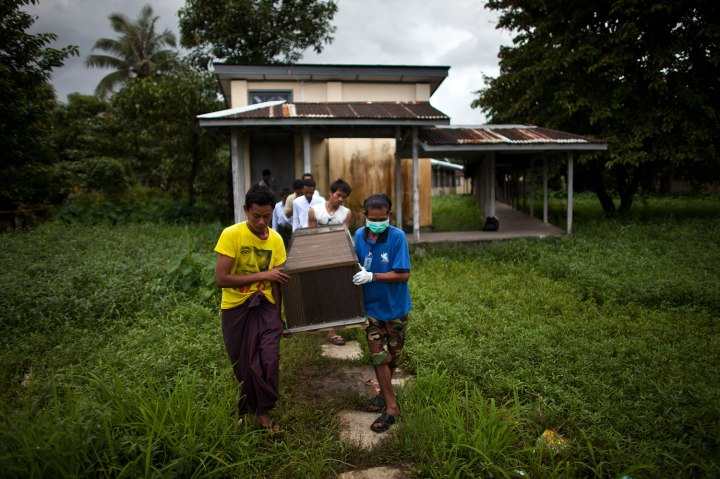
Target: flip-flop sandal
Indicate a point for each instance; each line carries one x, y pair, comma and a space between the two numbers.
383, 423
337, 340
376, 405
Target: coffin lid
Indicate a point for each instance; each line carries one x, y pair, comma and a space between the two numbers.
320, 248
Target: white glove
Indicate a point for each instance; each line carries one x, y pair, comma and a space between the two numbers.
363, 276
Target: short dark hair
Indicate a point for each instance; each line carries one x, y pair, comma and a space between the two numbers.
259, 195
309, 182
377, 201
266, 172
341, 185
309, 175
298, 184
284, 192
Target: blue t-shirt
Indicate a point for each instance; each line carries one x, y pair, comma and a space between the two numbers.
389, 252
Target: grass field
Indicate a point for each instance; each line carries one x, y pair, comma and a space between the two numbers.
114, 364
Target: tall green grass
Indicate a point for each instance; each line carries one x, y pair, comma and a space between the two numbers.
611, 336
114, 363
456, 213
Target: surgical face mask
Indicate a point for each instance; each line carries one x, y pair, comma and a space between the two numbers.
377, 227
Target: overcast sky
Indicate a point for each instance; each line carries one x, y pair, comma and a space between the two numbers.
460, 34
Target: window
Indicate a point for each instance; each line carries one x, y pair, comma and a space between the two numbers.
261, 96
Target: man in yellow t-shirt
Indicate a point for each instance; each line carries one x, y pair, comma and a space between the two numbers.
248, 269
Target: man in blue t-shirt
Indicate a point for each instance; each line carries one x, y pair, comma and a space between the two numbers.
382, 251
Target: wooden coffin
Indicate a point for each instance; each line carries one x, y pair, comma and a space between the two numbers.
320, 293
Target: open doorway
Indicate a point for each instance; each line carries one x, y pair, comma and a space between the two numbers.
274, 152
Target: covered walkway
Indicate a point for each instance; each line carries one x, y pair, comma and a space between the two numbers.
513, 224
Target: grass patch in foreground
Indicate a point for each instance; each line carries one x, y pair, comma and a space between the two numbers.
610, 337
607, 336
453, 430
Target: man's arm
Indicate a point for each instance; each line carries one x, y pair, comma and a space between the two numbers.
348, 219
312, 221
392, 277
289, 206
224, 279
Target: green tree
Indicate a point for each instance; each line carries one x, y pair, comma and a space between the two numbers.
138, 52
255, 31
81, 128
156, 123
27, 101
642, 75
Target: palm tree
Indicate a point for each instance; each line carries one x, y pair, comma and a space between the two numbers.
136, 53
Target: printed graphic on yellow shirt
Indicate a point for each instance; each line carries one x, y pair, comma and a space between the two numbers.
252, 260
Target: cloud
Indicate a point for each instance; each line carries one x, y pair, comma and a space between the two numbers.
82, 23
460, 34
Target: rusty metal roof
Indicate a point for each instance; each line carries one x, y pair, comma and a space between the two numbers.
340, 110
408, 113
499, 137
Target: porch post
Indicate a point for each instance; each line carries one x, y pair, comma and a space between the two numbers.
491, 184
306, 151
416, 186
485, 185
532, 187
570, 193
238, 174
545, 191
398, 180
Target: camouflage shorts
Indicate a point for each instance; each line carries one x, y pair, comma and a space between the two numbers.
386, 340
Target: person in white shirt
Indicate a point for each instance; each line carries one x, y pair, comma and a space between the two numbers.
298, 187
332, 212
280, 223
302, 204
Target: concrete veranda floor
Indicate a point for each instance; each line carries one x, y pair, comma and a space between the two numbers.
513, 224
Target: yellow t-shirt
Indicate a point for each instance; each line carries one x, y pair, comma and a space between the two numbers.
251, 255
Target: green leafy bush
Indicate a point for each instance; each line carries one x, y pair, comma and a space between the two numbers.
105, 175
98, 209
192, 271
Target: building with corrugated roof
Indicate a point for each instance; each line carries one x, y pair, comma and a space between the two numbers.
372, 125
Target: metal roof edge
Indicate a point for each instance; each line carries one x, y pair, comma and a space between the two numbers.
446, 163
242, 109
486, 126
349, 70
319, 121
515, 147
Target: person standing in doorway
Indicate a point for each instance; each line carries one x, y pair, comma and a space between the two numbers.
332, 212
249, 258
384, 257
267, 180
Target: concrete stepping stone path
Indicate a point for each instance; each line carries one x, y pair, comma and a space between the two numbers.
350, 350
375, 473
